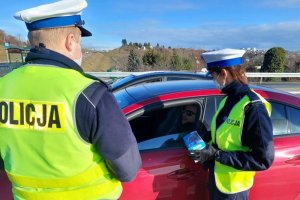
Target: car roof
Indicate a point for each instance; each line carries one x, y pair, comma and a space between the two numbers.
158, 88
144, 76
138, 93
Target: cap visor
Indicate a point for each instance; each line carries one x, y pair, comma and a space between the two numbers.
84, 32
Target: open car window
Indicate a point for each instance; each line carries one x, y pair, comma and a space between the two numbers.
163, 127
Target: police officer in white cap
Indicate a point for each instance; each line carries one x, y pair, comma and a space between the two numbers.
241, 137
63, 135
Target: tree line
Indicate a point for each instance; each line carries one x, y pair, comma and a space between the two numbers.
145, 57
276, 59
12, 40
154, 59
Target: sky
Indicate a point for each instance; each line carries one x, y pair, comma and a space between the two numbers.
197, 24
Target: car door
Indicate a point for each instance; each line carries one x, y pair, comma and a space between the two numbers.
167, 172
282, 180
5, 187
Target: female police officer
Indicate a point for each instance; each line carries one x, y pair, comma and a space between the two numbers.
241, 138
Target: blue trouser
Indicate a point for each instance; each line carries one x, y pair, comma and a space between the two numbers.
215, 194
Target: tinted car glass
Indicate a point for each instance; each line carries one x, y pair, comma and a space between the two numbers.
211, 107
279, 119
177, 78
294, 123
167, 141
161, 127
218, 101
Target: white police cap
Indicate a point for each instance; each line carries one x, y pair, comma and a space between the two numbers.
63, 13
223, 58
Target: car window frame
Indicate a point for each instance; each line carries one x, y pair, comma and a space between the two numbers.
169, 104
286, 115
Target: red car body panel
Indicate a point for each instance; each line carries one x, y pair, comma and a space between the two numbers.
5, 187
171, 174
275, 183
168, 174
280, 97
287, 156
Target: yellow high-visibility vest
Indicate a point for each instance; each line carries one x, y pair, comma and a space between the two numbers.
44, 156
228, 138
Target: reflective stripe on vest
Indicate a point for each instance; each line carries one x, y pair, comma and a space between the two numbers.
73, 181
93, 192
228, 138
43, 153
105, 187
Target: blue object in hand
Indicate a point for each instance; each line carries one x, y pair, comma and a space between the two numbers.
193, 141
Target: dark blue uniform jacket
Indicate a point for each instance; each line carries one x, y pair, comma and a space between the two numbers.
99, 119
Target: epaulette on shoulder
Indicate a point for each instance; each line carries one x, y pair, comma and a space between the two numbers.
255, 100
253, 97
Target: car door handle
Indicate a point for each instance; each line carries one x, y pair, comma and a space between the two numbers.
181, 174
294, 161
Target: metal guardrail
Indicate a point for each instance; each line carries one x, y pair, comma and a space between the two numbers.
113, 74
249, 74
270, 75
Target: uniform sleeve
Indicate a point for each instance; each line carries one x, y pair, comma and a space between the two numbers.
102, 123
258, 136
205, 135
1, 164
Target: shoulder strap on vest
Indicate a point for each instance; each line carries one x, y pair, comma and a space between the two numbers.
254, 99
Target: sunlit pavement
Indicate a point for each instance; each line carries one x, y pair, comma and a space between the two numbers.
291, 87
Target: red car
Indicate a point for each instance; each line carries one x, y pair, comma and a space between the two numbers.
168, 173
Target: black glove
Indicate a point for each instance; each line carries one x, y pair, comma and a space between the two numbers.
208, 153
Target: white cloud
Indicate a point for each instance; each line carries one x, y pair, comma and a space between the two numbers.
158, 6
266, 36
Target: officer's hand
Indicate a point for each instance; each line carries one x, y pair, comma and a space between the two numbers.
208, 153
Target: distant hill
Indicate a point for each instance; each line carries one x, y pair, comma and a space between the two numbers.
3, 56
104, 60
117, 59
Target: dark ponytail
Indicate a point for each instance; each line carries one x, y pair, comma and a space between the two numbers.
237, 72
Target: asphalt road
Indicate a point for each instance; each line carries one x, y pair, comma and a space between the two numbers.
293, 87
